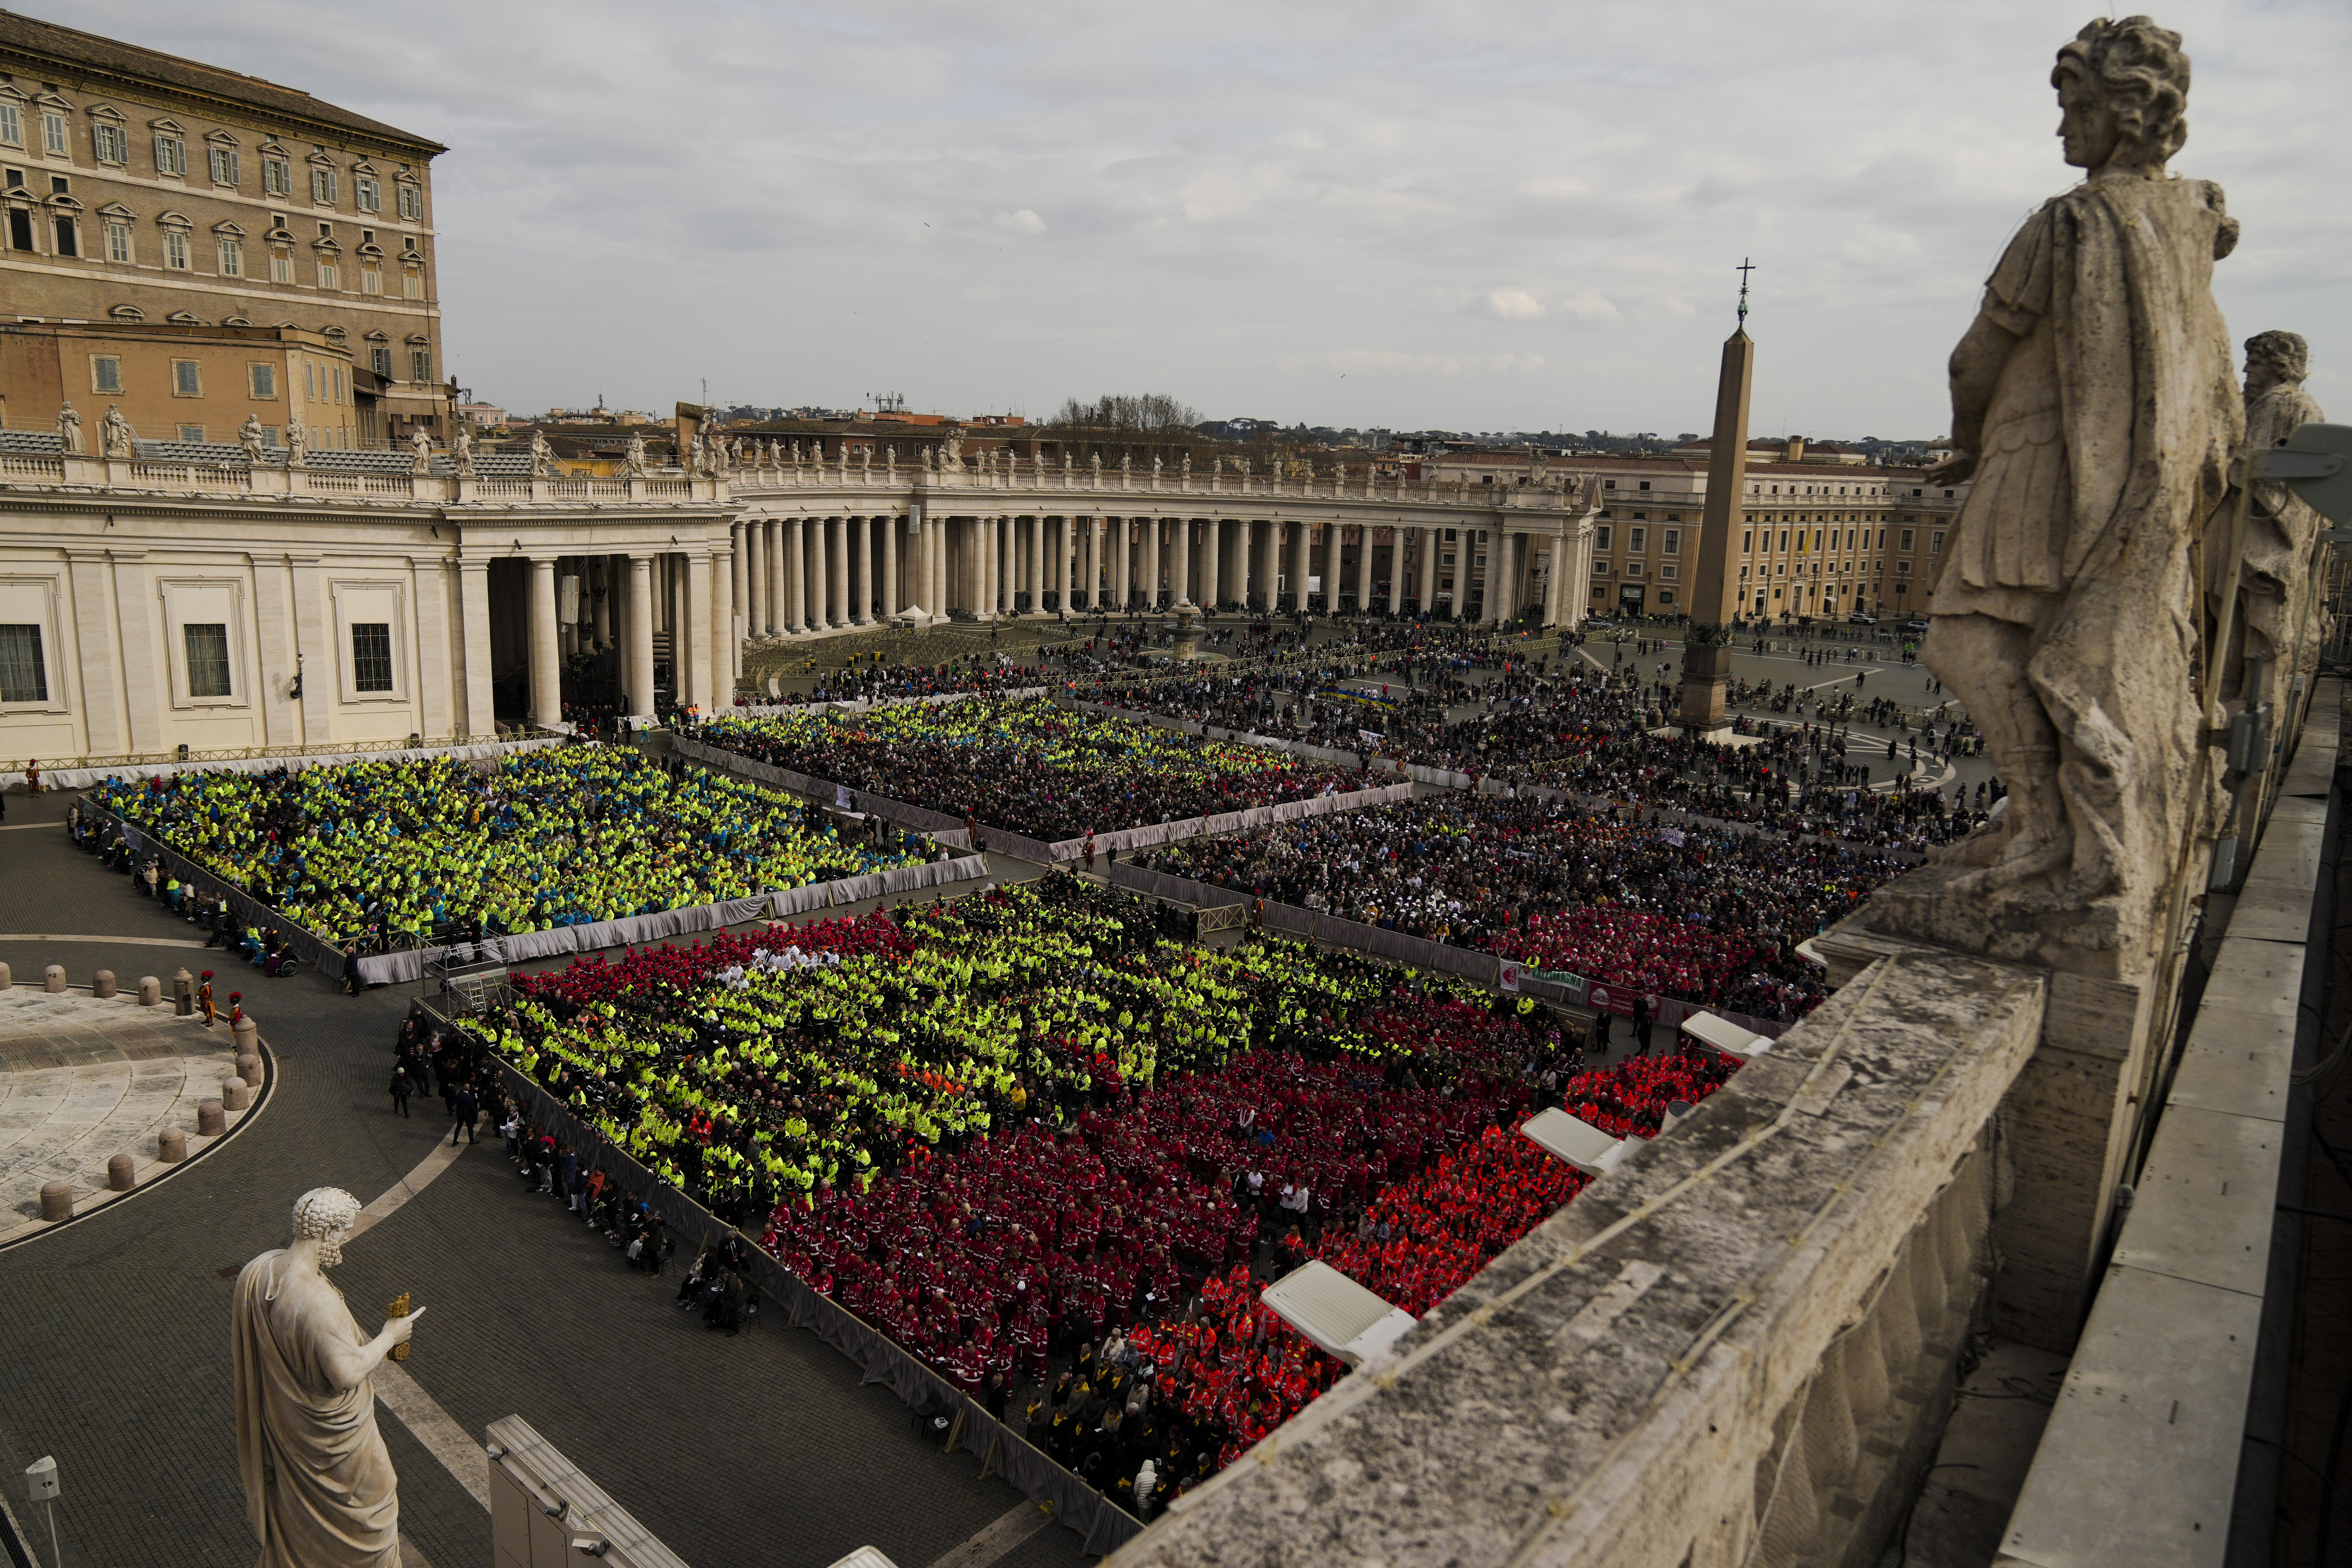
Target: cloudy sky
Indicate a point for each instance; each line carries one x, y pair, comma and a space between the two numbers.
1477, 215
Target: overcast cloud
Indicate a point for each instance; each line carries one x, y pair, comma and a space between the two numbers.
1477, 216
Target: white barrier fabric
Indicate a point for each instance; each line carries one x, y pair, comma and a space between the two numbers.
83, 778
521, 947
867, 705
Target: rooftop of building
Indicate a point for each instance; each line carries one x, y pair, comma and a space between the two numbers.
135, 67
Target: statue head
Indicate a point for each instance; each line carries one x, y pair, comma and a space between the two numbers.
2275, 358
326, 1215
2123, 95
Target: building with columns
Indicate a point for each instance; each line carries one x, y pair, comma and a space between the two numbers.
156, 601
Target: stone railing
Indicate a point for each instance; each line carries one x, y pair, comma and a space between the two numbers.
1045, 480
73, 474
1736, 1348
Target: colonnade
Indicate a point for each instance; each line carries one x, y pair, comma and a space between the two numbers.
650, 606
808, 574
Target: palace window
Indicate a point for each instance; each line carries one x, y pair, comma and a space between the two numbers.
372, 656
175, 250
192, 432
24, 675
53, 132
171, 155
1907, 539
232, 257
117, 242
380, 361
329, 276
366, 195
208, 646
323, 186
277, 177
12, 125
281, 265
371, 278
187, 378
223, 165
1936, 543
411, 203
264, 380
1601, 537
1672, 544
1637, 539
420, 365
108, 144
412, 283
69, 236
105, 373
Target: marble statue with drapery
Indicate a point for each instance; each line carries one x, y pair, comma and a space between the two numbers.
2092, 404
319, 1486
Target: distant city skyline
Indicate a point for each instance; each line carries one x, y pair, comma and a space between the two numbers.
1494, 216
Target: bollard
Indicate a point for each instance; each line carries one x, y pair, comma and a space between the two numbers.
248, 1038
183, 994
102, 983
248, 1068
53, 979
7, 979
234, 1096
212, 1119
171, 1145
57, 1201
151, 991
121, 1173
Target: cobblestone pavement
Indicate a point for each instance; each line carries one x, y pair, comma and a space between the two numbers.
83, 1080
114, 1331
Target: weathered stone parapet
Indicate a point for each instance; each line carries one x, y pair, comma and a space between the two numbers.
1635, 1381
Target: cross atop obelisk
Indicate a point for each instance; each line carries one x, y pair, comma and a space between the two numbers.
1714, 594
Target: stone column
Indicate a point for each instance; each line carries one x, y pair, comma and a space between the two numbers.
1430, 541
836, 562
639, 626
859, 574
934, 550
740, 577
1212, 541
699, 660
892, 527
754, 560
474, 610
1331, 557
726, 646
1057, 530
793, 566
1179, 575
1497, 574
1301, 548
1364, 570
1036, 577
546, 656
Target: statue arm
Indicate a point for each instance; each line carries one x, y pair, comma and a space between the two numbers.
347, 1366
1976, 370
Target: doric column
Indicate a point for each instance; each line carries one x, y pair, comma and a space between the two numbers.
892, 527
1211, 531
474, 611
1302, 546
859, 574
727, 640
934, 550
546, 650
794, 565
1364, 570
1057, 536
1428, 544
639, 626
1180, 561
837, 579
754, 561
1331, 557
740, 575
698, 658
1035, 577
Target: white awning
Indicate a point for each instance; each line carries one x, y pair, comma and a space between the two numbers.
1721, 1034
1575, 1141
1336, 1313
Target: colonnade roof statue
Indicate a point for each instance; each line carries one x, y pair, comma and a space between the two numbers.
320, 1491
2093, 404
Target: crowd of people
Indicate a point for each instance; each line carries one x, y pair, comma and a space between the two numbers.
366, 852
1032, 1128
1027, 766
1706, 914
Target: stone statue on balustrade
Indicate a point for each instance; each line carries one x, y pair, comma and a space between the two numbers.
1094, 465
951, 451
249, 440
298, 444
461, 452
114, 434
543, 456
420, 451
633, 463
1155, 467
320, 1491
1125, 464
1185, 469
2280, 584
70, 430
2094, 405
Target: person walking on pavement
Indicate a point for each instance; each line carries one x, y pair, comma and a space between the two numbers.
463, 1106
400, 1087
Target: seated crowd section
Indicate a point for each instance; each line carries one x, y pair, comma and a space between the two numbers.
441, 848
1031, 1126
1706, 915
1027, 766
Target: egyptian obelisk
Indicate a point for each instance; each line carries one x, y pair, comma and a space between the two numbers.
1714, 596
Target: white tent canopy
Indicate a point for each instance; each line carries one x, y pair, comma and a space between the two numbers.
1335, 1313
1576, 1142
1721, 1034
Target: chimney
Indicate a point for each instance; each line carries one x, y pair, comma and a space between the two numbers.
1796, 448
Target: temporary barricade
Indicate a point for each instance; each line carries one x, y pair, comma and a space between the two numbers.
1102, 1524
